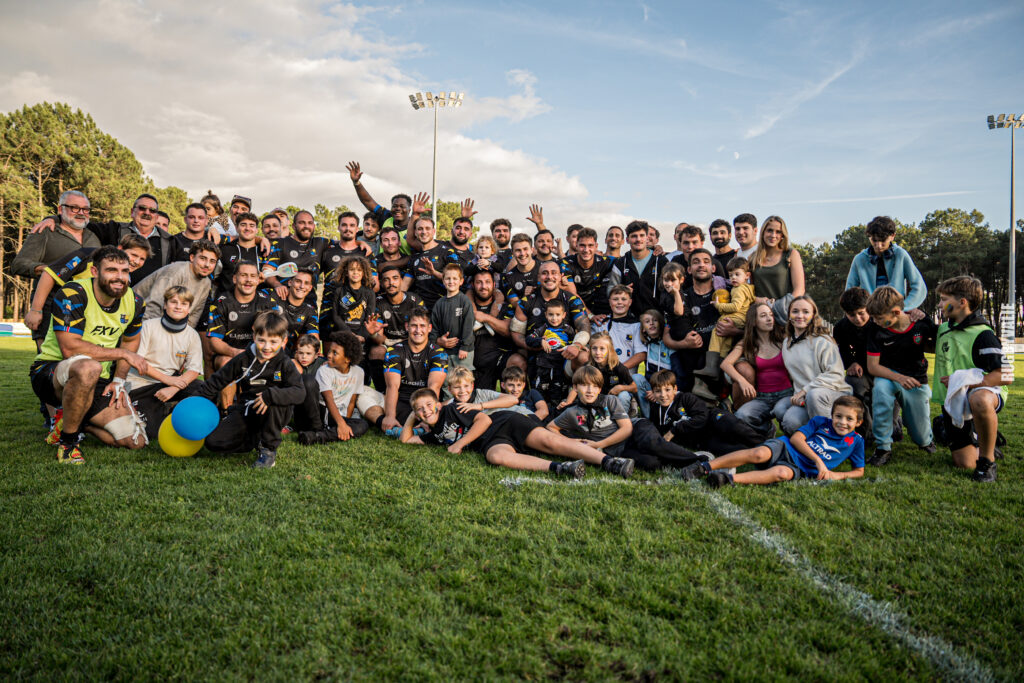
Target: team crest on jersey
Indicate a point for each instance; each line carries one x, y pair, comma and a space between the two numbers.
848, 440
536, 311
336, 258
695, 310
293, 254
124, 319
917, 337
73, 263
232, 316
277, 376
387, 314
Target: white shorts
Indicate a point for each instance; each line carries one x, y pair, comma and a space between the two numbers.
369, 398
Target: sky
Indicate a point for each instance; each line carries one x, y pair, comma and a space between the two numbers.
601, 112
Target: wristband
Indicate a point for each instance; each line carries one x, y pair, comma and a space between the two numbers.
32, 310
119, 380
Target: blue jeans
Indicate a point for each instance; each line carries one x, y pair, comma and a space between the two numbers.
642, 387
759, 412
916, 417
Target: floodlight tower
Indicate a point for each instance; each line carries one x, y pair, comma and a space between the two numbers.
421, 101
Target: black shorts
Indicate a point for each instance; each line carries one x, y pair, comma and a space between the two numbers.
780, 456
962, 437
41, 375
511, 428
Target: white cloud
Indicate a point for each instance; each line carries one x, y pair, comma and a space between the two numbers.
877, 199
271, 99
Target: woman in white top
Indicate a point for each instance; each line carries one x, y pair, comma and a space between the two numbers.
812, 360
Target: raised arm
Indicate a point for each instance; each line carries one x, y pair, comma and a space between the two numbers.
355, 173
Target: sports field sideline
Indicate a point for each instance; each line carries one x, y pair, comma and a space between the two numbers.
373, 560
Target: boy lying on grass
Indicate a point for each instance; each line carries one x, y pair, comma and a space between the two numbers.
813, 451
501, 437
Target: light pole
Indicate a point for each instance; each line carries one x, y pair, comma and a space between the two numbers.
1013, 123
419, 101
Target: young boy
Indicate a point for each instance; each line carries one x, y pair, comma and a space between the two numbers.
732, 305
685, 418
502, 438
965, 342
895, 355
175, 356
624, 329
851, 334
268, 386
466, 396
548, 367
814, 451
351, 405
452, 319
600, 421
513, 381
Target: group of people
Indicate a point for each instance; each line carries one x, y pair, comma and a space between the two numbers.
624, 357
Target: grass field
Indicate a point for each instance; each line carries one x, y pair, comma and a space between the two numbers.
373, 560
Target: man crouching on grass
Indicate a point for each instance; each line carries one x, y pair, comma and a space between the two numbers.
814, 451
269, 385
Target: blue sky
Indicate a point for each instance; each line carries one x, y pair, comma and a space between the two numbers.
827, 115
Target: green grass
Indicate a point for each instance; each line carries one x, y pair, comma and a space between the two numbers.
372, 560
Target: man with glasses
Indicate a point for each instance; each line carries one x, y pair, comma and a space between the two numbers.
143, 223
43, 248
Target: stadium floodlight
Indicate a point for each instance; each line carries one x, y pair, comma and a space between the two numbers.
1013, 123
441, 99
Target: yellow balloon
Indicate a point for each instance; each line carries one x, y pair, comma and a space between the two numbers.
173, 445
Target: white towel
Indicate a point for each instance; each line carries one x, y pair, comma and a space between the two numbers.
957, 402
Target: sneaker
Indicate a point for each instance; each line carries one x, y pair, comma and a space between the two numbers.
717, 480
574, 469
930, 448
984, 471
620, 466
697, 470
880, 458
69, 454
53, 438
286, 430
701, 390
998, 452
266, 460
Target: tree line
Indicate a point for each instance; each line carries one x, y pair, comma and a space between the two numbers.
47, 148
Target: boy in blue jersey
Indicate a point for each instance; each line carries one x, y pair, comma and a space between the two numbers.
814, 451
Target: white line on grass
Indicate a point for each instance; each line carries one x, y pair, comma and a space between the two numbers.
879, 614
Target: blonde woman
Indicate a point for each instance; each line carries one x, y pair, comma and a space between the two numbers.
777, 272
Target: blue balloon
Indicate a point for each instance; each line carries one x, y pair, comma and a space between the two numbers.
194, 418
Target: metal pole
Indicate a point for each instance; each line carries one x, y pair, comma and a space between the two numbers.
1013, 238
433, 187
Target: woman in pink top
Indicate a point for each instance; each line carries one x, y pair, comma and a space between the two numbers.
769, 395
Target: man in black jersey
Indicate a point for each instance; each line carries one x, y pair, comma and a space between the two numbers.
501, 231
302, 249
235, 251
586, 273
302, 317
394, 305
229, 326
720, 233
346, 245
427, 265
544, 246
391, 255
459, 250
273, 227
195, 229
639, 270
690, 238
521, 279
690, 351
410, 365
494, 349
530, 311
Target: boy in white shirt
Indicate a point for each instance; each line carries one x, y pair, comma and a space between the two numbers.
350, 405
175, 355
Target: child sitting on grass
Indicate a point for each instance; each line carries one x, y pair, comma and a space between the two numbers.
598, 420
814, 451
965, 342
462, 386
895, 355
175, 356
351, 406
513, 381
686, 418
269, 385
502, 438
